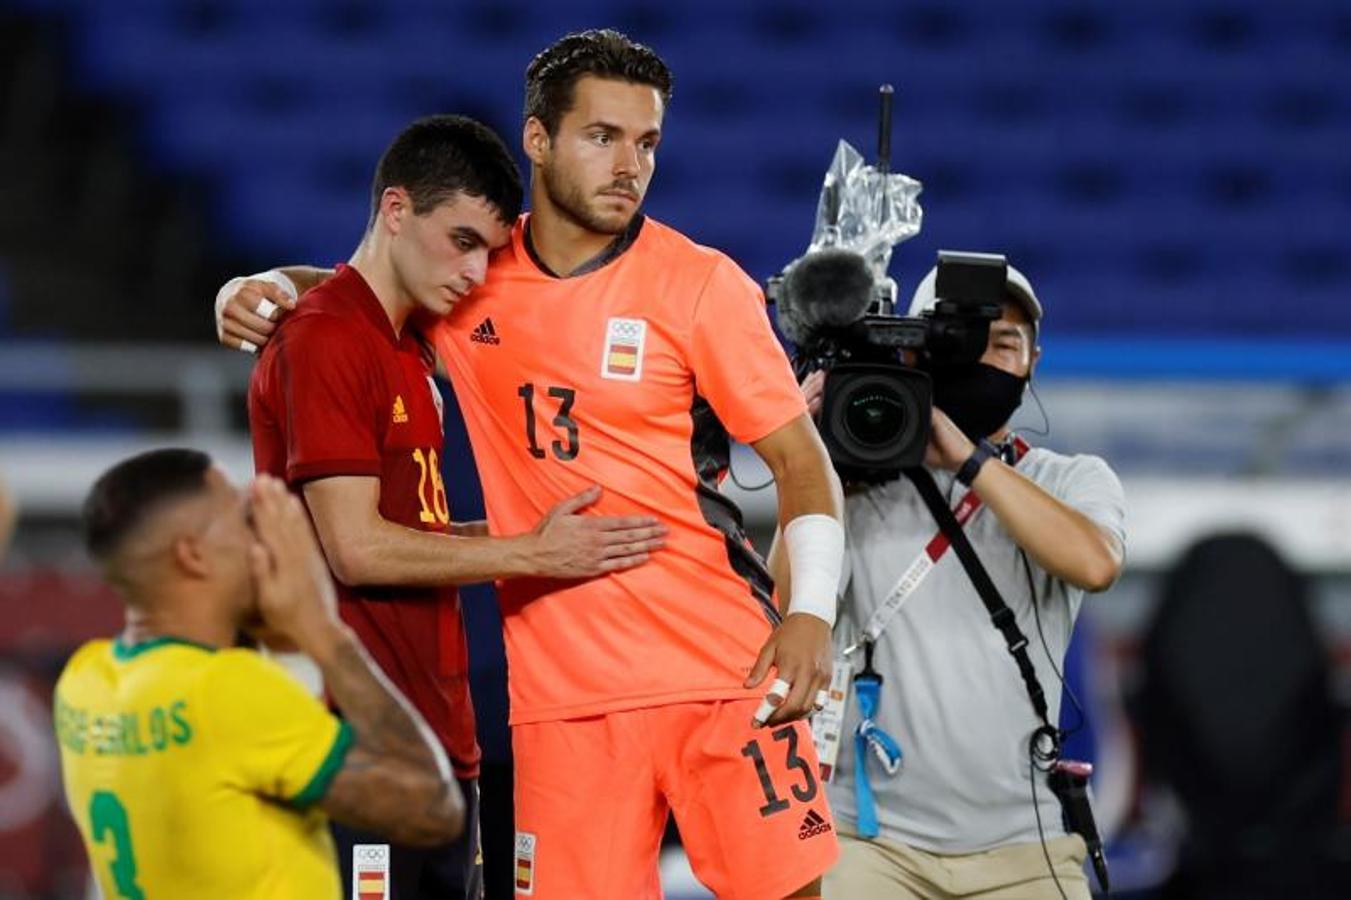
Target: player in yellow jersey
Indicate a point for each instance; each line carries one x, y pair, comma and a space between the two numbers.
198, 769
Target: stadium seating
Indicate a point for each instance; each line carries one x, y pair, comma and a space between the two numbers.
1159, 167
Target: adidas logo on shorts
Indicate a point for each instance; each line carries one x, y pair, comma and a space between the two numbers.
485, 333
812, 825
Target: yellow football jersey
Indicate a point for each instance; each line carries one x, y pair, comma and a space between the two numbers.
193, 772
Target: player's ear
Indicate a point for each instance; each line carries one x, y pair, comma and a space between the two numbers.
189, 555
395, 205
535, 141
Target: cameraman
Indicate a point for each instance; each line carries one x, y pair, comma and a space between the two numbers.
958, 818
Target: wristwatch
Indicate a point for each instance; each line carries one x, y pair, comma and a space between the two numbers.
971, 468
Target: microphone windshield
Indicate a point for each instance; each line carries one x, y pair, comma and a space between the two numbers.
825, 290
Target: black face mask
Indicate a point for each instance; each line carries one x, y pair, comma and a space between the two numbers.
978, 398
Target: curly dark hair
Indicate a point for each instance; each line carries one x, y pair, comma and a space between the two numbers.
553, 73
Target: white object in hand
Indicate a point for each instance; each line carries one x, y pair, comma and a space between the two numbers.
766, 709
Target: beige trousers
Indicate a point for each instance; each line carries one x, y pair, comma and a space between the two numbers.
883, 870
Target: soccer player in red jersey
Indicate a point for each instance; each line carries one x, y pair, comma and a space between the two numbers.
342, 406
607, 347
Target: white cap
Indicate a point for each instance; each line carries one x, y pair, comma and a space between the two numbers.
1019, 288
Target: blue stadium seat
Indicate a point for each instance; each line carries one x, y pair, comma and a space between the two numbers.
1188, 153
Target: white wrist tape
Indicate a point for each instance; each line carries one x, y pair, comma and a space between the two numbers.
815, 557
282, 281
267, 307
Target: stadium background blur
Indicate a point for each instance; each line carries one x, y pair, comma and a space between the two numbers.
1175, 177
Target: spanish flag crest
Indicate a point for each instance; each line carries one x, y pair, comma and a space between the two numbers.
370, 872
623, 357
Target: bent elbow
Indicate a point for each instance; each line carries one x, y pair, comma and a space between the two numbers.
449, 818
1101, 575
441, 814
347, 562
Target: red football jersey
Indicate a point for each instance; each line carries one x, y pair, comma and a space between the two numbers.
337, 393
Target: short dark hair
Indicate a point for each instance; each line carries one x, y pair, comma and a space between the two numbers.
440, 156
552, 75
125, 495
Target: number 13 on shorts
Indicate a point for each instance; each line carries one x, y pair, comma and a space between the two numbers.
804, 790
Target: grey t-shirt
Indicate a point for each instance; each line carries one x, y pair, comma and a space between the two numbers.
952, 696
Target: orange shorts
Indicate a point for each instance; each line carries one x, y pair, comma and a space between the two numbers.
593, 794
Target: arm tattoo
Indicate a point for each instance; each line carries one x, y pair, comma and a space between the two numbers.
396, 779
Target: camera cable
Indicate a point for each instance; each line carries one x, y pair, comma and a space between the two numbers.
1045, 429
1032, 752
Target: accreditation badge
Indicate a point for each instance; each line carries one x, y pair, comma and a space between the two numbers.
828, 722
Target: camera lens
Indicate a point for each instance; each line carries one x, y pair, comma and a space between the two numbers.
875, 418
875, 415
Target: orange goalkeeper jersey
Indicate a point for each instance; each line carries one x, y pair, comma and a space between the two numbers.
619, 377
